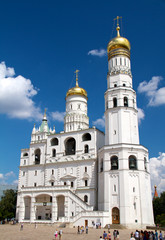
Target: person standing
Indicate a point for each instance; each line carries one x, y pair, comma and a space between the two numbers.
86, 229
160, 236
56, 234
117, 237
115, 234
104, 235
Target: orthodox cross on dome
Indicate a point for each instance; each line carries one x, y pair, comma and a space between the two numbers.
76, 77
117, 28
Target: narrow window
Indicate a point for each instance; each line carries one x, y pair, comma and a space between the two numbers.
78, 106
101, 166
38, 137
23, 174
114, 188
86, 198
24, 162
116, 61
125, 102
71, 106
145, 164
133, 189
72, 214
120, 61
114, 102
50, 199
134, 206
86, 149
53, 152
52, 171
86, 183
35, 174
22, 186
52, 183
35, 184
65, 183
85, 169
72, 184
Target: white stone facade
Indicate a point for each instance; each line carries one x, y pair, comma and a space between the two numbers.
82, 176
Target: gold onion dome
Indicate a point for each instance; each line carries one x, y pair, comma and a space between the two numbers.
76, 90
118, 45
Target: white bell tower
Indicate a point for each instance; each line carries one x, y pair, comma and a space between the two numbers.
124, 187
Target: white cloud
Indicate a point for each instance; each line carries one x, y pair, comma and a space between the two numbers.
141, 114
58, 116
10, 174
1, 176
157, 170
16, 95
100, 122
156, 96
15, 182
96, 52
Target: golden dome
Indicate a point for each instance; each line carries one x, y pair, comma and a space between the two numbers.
76, 90
118, 42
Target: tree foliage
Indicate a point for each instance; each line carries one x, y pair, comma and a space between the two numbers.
8, 204
159, 209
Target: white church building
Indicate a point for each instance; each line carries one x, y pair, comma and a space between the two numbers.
81, 175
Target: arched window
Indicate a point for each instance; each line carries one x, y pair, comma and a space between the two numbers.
86, 198
53, 152
132, 162
70, 146
125, 102
85, 169
37, 154
86, 137
54, 142
101, 166
115, 85
145, 164
114, 102
114, 163
25, 154
86, 149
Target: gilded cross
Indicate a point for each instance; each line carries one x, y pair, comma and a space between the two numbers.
117, 19
76, 77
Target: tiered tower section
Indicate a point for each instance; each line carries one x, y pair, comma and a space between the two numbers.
76, 109
120, 98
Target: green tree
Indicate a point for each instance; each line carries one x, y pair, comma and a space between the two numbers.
8, 204
159, 209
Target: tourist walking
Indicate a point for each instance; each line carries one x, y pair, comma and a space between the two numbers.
160, 236
56, 234
104, 235
109, 235
115, 235
86, 229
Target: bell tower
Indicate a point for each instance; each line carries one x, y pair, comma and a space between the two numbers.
124, 187
120, 98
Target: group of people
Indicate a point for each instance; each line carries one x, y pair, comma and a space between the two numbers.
58, 234
147, 235
80, 230
108, 235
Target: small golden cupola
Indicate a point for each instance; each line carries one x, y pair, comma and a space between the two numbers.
118, 45
76, 90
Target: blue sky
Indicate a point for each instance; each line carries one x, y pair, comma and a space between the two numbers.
42, 43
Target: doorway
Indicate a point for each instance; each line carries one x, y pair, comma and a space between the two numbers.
115, 216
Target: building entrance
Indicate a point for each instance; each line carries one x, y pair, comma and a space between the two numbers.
115, 216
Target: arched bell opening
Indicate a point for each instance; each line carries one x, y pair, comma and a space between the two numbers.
132, 163
37, 154
114, 163
70, 146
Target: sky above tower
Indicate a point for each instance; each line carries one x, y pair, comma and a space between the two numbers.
42, 43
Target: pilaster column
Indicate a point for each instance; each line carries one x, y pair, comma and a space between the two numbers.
21, 209
32, 210
54, 209
67, 208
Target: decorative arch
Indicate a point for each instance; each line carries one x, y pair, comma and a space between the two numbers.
86, 149
43, 206
54, 142
37, 154
115, 216
115, 102
114, 163
70, 146
27, 202
132, 162
86, 137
